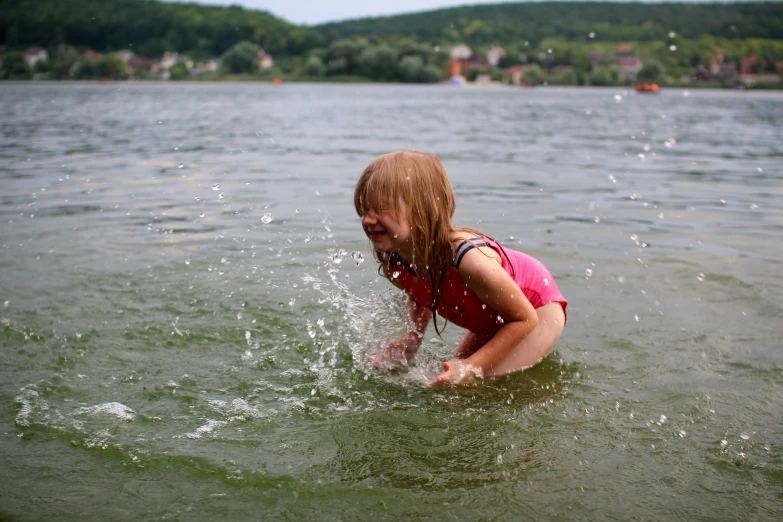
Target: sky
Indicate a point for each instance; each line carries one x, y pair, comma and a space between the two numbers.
313, 12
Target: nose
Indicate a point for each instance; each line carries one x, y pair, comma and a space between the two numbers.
369, 218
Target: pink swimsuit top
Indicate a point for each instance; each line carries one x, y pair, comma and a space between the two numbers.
460, 305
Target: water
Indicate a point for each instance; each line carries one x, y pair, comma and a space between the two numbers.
187, 301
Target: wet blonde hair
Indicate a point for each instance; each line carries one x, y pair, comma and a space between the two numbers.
419, 180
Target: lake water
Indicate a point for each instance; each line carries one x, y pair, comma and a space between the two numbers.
187, 300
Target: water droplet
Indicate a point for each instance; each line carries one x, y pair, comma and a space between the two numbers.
307, 239
588, 272
744, 436
483, 307
546, 282
6, 304
618, 98
358, 257
292, 302
500, 458
641, 156
700, 276
221, 196
683, 433
636, 317
754, 207
686, 93
395, 275
181, 166
500, 320
216, 186
266, 218
338, 256
597, 219
672, 47
591, 35
187, 261
201, 215
646, 148
663, 419
612, 179
723, 444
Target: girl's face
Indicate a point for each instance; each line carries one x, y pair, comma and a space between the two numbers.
386, 233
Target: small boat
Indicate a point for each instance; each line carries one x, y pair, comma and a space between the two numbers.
647, 87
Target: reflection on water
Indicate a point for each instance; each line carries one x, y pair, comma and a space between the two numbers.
185, 301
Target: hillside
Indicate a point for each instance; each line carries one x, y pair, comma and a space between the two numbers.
571, 21
147, 27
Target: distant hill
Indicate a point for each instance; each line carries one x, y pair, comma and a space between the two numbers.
147, 27
572, 21
150, 28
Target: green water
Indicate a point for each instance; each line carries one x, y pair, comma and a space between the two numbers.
187, 300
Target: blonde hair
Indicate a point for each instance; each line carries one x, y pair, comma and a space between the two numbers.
419, 180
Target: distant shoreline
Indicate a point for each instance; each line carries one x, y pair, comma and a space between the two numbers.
497, 85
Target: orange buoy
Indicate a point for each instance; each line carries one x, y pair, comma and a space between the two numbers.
277, 81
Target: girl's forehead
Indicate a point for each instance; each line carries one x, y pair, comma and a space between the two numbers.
377, 195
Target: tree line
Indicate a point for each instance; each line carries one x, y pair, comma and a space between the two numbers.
548, 37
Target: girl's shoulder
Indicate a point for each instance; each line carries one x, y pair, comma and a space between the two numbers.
469, 244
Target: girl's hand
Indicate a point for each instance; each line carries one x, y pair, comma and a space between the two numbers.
458, 372
394, 355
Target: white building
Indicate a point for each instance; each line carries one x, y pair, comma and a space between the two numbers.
461, 52
494, 54
35, 55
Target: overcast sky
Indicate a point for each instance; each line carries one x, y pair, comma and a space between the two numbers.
312, 12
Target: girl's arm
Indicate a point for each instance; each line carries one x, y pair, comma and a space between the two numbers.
398, 352
486, 277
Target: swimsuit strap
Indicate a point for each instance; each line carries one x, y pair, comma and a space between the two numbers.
467, 245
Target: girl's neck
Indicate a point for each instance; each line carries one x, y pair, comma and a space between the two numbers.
414, 262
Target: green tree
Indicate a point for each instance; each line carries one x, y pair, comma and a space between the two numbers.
603, 76
64, 58
179, 71
534, 75
379, 62
348, 50
111, 66
86, 69
314, 66
431, 73
410, 69
337, 66
563, 77
14, 66
651, 72
241, 58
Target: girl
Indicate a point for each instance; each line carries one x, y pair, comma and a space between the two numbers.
507, 300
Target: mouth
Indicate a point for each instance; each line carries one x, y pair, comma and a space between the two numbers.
375, 234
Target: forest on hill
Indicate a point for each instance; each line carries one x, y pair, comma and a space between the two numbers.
148, 27
152, 28
565, 43
572, 21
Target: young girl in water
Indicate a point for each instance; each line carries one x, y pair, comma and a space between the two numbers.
506, 300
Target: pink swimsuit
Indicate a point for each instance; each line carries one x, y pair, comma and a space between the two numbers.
460, 305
